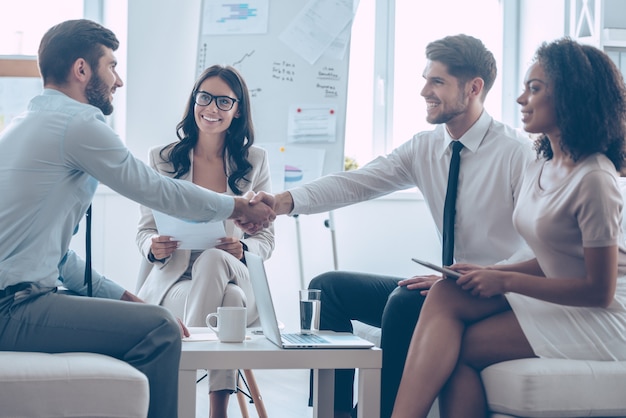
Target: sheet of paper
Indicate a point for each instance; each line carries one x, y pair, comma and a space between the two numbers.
192, 235
200, 334
316, 27
203, 334
302, 165
311, 123
276, 158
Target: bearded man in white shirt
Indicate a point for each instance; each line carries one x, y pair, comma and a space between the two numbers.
458, 75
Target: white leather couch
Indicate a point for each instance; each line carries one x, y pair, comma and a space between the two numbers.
539, 388
41, 385
556, 388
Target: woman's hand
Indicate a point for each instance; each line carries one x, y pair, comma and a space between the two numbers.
163, 246
465, 267
232, 246
483, 283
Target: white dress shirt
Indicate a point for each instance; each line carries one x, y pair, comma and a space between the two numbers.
493, 161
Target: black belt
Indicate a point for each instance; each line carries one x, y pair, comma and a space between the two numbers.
11, 290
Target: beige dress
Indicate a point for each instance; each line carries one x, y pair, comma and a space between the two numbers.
584, 211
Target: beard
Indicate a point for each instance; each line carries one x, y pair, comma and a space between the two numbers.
459, 108
97, 94
445, 117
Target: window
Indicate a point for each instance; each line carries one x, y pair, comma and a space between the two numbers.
21, 31
387, 58
22, 28
618, 55
360, 106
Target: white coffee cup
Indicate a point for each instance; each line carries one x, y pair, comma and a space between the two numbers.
230, 323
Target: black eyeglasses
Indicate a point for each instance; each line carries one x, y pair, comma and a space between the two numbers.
225, 103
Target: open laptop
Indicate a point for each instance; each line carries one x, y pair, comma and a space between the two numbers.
269, 323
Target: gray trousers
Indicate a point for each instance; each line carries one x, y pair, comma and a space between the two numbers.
145, 336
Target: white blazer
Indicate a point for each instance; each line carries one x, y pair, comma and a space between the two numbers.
155, 279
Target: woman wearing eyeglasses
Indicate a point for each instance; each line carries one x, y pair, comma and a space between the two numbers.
214, 151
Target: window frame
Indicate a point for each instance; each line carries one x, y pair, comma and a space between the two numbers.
384, 57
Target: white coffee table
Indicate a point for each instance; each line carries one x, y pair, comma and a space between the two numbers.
259, 353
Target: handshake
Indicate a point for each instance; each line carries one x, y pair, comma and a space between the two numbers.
255, 211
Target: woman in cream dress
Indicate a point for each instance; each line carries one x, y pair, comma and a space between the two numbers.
215, 151
568, 302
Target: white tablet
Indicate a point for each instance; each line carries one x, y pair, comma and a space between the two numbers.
447, 272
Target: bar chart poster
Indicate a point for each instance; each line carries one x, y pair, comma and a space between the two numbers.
222, 17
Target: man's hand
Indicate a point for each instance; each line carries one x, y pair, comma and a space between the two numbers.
282, 203
421, 283
252, 218
264, 197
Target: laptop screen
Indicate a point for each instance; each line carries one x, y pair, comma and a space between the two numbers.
263, 296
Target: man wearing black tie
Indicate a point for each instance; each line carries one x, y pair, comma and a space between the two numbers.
469, 169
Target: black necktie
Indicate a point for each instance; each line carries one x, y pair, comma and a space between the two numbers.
88, 251
449, 209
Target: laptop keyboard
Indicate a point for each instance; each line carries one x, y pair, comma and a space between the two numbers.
304, 338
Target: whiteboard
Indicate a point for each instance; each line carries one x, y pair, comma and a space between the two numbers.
282, 83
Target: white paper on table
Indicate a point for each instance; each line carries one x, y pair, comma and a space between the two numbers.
201, 334
192, 235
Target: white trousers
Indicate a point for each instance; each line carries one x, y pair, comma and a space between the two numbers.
217, 279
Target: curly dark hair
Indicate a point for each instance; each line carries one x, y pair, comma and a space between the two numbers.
589, 99
466, 57
239, 137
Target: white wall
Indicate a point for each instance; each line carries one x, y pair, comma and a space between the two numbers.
162, 41
540, 21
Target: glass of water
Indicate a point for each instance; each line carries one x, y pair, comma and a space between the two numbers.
310, 305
